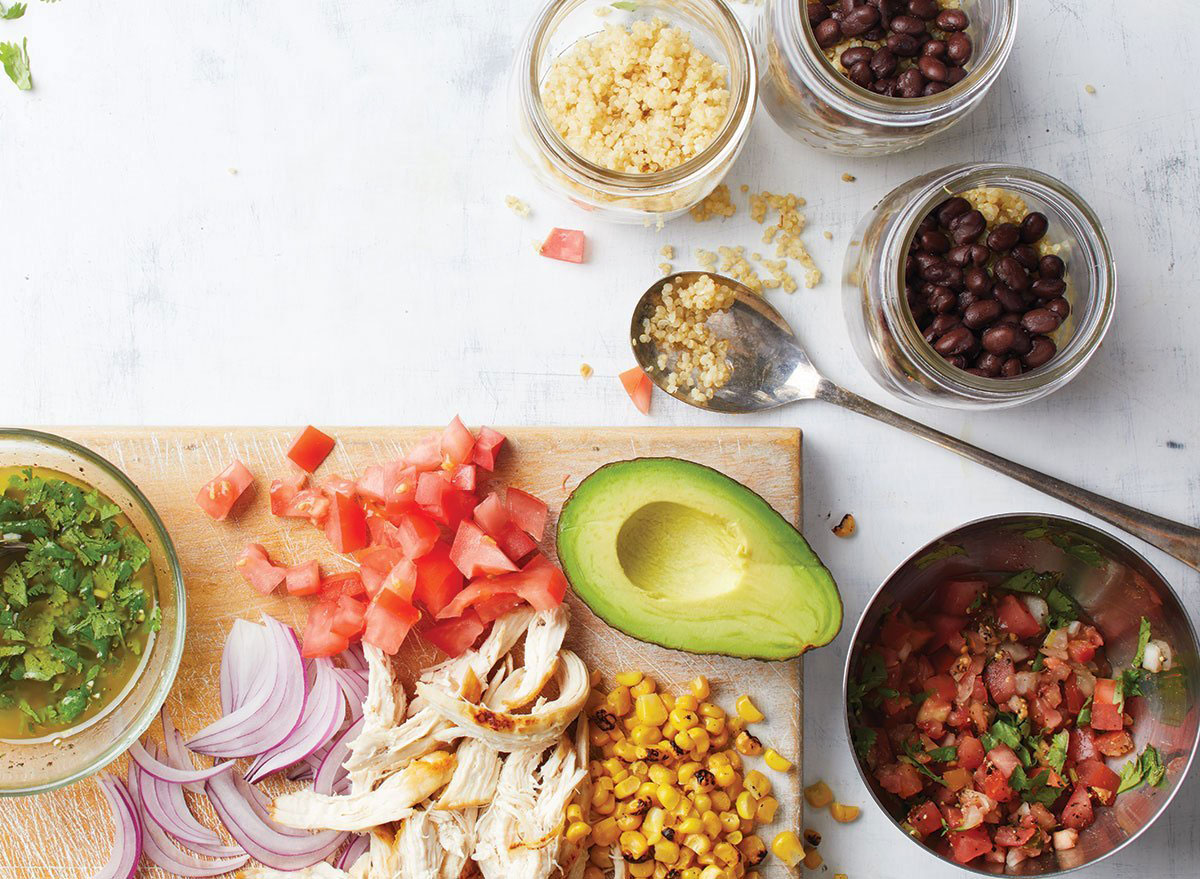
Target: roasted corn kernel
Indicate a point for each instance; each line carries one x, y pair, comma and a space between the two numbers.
786, 846
842, 813
747, 804
776, 760
813, 859
619, 701
748, 744
747, 710
754, 850
757, 783
578, 831
818, 795
605, 832
643, 687
764, 812
629, 678
633, 845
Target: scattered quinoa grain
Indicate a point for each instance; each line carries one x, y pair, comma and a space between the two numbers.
639, 99
691, 356
585, 370
847, 177
716, 204
828, 235
785, 232
665, 268
1090, 89
517, 206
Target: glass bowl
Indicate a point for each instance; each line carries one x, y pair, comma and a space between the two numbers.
32, 766
615, 195
1116, 587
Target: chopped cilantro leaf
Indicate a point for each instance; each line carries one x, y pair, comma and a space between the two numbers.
1031, 582
1057, 755
871, 675
1147, 767
945, 551
1143, 640
943, 755
12, 12
864, 740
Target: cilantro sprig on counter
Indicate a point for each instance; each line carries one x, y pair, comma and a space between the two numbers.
11, 13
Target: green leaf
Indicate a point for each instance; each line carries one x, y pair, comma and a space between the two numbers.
864, 740
72, 704
16, 64
1031, 582
42, 665
871, 674
13, 12
1087, 553
1085, 713
1143, 640
1057, 755
1147, 767
943, 755
945, 551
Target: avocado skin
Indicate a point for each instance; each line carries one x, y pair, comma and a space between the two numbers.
643, 623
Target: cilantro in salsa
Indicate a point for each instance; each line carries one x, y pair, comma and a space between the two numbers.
77, 607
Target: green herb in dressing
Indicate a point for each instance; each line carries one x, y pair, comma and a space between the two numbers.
77, 608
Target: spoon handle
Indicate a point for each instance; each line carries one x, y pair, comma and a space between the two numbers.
1175, 538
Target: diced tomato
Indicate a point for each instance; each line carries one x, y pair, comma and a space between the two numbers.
284, 491
1001, 679
1114, 744
335, 586
515, 543
433, 494
319, 639
1106, 714
219, 494
900, 779
346, 526
1004, 759
418, 534
1011, 837
491, 609
956, 779
389, 619
373, 484
402, 579
454, 637
925, 818
564, 244
476, 554
256, 567
309, 503
310, 448
456, 444
375, 563
942, 686
438, 580
336, 484
1042, 816
1078, 813
464, 478
1013, 617
1074, 697
934, 709
401, 491
487, 445
492, 515
990, 781
970, 752
639, 387
1044, 716
527, 512
425, 456
967, 845
1095, 774
1082, 648
947, 632
304, 579
955, 597
539, 582
348, 618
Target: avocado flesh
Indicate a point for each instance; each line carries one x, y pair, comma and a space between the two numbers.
677, 554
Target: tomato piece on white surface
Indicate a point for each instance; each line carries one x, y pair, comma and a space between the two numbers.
220, 493
310, 448
639, 387
255, 565
564, 244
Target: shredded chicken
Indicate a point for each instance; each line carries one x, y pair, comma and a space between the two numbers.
542, 643
456, 836
383, 711
417, 846
475, 777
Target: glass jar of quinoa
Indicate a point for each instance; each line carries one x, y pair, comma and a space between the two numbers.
885, 295
810, 95
634, 115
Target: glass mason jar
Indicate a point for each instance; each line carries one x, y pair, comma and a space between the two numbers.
815, 103
885, 334
615, 195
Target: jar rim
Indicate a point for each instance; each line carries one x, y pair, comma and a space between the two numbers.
1084, 227
742, 73
835, 89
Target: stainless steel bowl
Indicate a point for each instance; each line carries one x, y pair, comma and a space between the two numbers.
1117, 586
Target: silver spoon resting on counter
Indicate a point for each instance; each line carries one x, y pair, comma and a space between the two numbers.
770, 369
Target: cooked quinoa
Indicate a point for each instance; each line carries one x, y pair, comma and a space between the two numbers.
716, 204
999, 205
517, 206
639, 99
691, 356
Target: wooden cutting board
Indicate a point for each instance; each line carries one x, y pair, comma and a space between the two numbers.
67, 833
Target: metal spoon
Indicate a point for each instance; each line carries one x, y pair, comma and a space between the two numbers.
770, 369
11, 548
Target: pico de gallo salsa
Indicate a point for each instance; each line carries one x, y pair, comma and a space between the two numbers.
990, 713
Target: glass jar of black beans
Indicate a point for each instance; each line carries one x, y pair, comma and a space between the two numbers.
871, 77
978, 286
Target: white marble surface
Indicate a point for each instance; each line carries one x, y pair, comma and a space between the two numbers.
360, 267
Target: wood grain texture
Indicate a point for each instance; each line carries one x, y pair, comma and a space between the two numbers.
65, 833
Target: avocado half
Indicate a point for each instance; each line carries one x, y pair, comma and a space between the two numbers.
678, 554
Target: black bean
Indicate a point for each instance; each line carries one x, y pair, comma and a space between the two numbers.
1011, 318
982, 313
980, 254
959, 256
885, 86
965, 300
1049, 288
1009, 298
828, 33
817, 13
952, 276
1059, 306
978, 281
943, 324
1040, 321
989, 364
998, 339
1012, 273
1004, 237
934, 242
1026, 255
958, 361
1051, 266
860, 20
952, 20
884, 62
957, 75
926, 10
951, 209
876, 34
957, 341
934, 48
942, 301
855, 54
1012, 368
1033, 227
904, 45
860, 74
967, 228
1040, 353
910, 83
1021, 343
932, 69
908, 24
959, 48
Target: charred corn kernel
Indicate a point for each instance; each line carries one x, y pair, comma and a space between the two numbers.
700, 740
683, 718
729, 821
776, 761
653, 824
754, 850
701, 802
707, 709
813, 859
712, 824
786, 846
748, 826
736, 723
650, 709
748, 744
634, 844
735, 759
721, 801
699, 687
682, 742
687, 702
687, 770
842, 813
593, 872
698, 842
647, 791
666, 852
720, 758
734, 837
597, 736
721, 739
627, 787
764, 812
625, 750
689, 826
574, 812
619, 701
629, 821
757, 783
747, 804
629, 678
704, 781
668, 796
645, 734
639, 767
602, 785
725, 852
818, 795
607, 807
643, 870
605, 832
660, 774
712, 871
747, 710
714, 725
724, 776
577, 831
643, 687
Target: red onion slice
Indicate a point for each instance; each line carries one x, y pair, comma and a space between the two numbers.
331, 771
324, 711
177, 752
263, 838
272, 706
243, 653
353, 657
351, 853
164, 772
165, 805
127, 842
354, 685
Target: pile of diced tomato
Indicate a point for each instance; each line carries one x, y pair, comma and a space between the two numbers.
954, 681
436, 549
